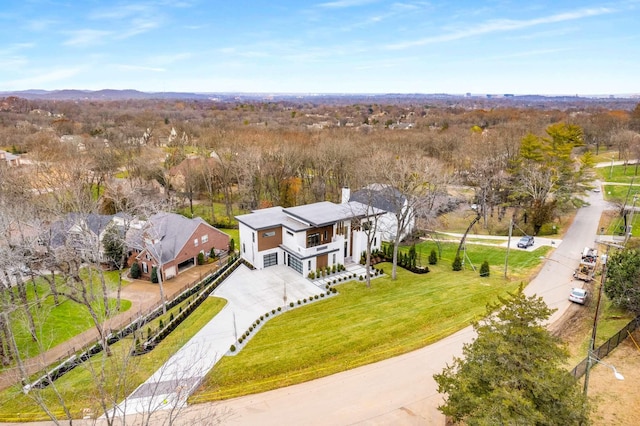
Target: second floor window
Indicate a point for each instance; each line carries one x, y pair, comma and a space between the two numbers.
313, 240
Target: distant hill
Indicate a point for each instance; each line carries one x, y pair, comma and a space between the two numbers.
483, 100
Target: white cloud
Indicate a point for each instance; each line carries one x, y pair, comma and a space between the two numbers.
44, 77
86, 37
125, 67
501, 25
340, 4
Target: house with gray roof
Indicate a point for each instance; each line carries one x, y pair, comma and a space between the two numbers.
172, 243
394, 203
308, 237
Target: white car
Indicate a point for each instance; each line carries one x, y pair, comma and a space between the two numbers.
578, 295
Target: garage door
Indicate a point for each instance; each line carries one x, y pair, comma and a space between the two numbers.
270, 259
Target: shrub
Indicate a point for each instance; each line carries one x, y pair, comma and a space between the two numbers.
321, 294
200, 258
433, 257
266, 315
171, 317
135, 271
304, 300
333, 290
154, 275
250, 329
148, 332
232, 246
484, 269
361, 278
291, 304
315, 297
273, 311
312, 275
212, 253
261, 317
232, 348
161, 324
457, 264
334, 281
299, 302
279, 308
333, 269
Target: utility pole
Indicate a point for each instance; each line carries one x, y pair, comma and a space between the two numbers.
592, 342
506, 258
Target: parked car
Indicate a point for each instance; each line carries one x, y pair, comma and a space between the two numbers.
526, 241
578, 295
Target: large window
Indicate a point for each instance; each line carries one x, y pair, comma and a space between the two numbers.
204, 238
313, 240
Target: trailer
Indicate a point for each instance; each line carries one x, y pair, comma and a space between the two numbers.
588, 263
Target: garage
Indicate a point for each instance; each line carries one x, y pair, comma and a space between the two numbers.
270, 259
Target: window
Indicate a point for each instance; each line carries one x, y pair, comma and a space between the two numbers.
253, 237
145, 268
340, 228
309, 266
313, 240
195, 242
325, 235
334, 258
289, 233
244, 250
269, 234
204, 239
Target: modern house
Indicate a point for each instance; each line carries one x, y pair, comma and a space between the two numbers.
172, 243
308, 237
393, 202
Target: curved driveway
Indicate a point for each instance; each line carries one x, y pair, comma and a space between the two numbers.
401, 390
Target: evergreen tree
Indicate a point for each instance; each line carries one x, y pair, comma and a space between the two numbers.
484, 269
135, 271
457, 264
513, 372
433, 257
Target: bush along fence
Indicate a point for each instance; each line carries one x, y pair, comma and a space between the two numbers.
205, 288
608, 346
84, 355
243, 339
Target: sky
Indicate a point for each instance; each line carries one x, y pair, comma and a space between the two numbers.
550, 47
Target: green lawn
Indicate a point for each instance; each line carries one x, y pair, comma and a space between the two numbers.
361, 325
56, 324
78, 387
620, 173
203, 210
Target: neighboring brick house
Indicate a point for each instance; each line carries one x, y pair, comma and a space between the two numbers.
308, 237
174, 242
82, 233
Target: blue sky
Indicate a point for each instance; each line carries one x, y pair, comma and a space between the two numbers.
335, 46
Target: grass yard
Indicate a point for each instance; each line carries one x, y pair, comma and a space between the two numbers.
123, 374
621, 173
56, 324
203, 210
362, 325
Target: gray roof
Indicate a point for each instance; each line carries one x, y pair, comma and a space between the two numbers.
96, 223
171, 232
307, 216
384, 197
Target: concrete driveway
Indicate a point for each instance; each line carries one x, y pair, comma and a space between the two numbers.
249, 294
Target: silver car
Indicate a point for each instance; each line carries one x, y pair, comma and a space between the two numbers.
578, 295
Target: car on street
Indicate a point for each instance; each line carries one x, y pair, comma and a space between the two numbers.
526, 241
578, 295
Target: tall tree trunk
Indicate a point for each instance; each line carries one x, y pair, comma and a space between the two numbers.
22, 293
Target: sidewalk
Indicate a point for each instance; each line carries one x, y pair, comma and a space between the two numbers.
144, 297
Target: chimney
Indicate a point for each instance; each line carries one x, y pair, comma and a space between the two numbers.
346, 194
